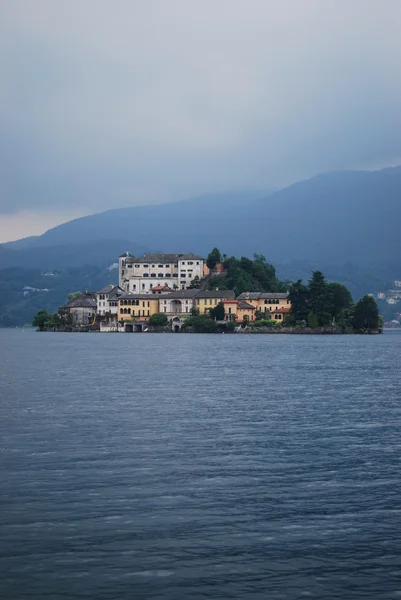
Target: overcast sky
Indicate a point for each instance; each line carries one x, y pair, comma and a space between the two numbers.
112, 103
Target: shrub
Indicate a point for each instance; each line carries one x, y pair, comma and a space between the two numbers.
158, 320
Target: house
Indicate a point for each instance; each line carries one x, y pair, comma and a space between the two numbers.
161, 289
239, 311
138, 307
250, 306
141, 275
107, 298
207, 299
178, 303
81, 310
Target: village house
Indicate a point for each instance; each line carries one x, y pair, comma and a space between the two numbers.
207, 299
272, 305
177, 271
81, 311
138, 307
107, 299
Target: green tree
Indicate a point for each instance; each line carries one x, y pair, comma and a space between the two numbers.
200, 324
365, 314
73, 295
313, 321
158, 320
213, 258
42, 319
319, 301
194, 311
298, 296
195, 283
217, 312
339, 298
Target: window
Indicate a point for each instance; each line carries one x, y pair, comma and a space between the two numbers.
160, 274
129, 311
143, 303
136, 266
143, 286
134, 286
229, 310
197, 263
168, 275
153, 274
148, 304
146, 274
183, 275
122, 272
148, 311
145, 266
153, 266
190, 263
165, 302
167, 266
165, 308
129, 266
151, 286
183, 262
159, 266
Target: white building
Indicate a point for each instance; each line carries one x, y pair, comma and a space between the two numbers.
141, 275
106, 299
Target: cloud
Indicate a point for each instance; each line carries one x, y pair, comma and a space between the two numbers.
106, 104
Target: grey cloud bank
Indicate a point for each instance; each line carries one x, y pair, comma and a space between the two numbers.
106, 104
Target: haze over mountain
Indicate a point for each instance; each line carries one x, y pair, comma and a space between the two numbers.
149, 102
332, 218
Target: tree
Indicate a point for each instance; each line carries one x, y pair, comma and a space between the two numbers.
213, 258
73, 295
339, 298
313, 321
298, 296
200, 324
319, 298
158, 320
195, 283
365, 314
42, 319
217, 312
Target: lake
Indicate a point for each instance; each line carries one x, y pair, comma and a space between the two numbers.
188, 466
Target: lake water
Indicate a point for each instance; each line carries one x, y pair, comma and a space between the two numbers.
199, 466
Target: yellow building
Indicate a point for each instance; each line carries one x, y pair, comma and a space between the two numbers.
207, 299
271, 304
252, 305
239, 311
137, 306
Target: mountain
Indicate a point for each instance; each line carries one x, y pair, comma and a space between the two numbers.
332, 218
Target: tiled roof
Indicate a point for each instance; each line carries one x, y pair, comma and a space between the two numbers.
263, 296
83, 301
178, 294
133, 296
226, 294
163, 258
244, 305
107, 289
160, 288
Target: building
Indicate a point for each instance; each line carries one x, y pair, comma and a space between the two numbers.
138, 307
141, 275
107, 299
178, 303
81, 311
207, 299
239, 311
251, 306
